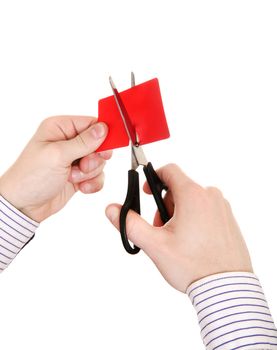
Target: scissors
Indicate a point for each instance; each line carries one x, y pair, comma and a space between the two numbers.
138, 158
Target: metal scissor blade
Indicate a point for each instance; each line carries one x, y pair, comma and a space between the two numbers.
133, 81
124, 114
138, 157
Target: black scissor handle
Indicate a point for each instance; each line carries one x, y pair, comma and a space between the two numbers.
157, 187
132, 201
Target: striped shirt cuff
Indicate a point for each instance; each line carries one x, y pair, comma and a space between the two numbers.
16, 230
233, 313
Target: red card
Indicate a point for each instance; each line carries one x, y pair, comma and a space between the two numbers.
144, 105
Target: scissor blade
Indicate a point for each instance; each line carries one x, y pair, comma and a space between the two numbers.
124, 114
133, 81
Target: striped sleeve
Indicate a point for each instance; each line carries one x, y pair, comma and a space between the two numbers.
16, 230
233, 312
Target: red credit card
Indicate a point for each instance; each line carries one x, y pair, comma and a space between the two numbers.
144, 105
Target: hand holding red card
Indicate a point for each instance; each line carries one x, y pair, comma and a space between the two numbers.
145, 109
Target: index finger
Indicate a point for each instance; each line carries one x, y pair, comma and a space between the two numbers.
174, 178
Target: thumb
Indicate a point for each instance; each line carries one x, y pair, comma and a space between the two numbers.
84, 143
138, 230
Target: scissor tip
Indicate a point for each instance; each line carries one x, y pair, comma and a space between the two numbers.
111, 82
133, 82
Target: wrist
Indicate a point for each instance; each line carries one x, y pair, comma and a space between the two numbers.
6, 190
11, 193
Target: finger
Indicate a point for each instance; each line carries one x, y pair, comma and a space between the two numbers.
84, 143
138, 230
90, 162
93, 185
64, 127
146, 188
168, 199
176, 181
106, 154
77, 176
169, 204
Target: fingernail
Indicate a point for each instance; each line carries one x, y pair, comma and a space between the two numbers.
93, 164
98, 131
76, 175
87, 188
105, 154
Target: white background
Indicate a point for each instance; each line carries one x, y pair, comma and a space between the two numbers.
74, 287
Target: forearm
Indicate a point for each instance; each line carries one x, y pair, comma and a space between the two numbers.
16, 230
233, 313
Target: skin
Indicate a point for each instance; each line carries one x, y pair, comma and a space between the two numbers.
201, 238
43, 178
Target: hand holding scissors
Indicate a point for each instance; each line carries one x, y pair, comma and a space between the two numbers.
138, 158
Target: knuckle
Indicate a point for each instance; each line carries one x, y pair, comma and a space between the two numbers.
46, 123
81, 142
214, 191
93, 120
96, 164
49, 121
99, 183
172, 167
195, 189
196, 194
169, 171
97, 171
